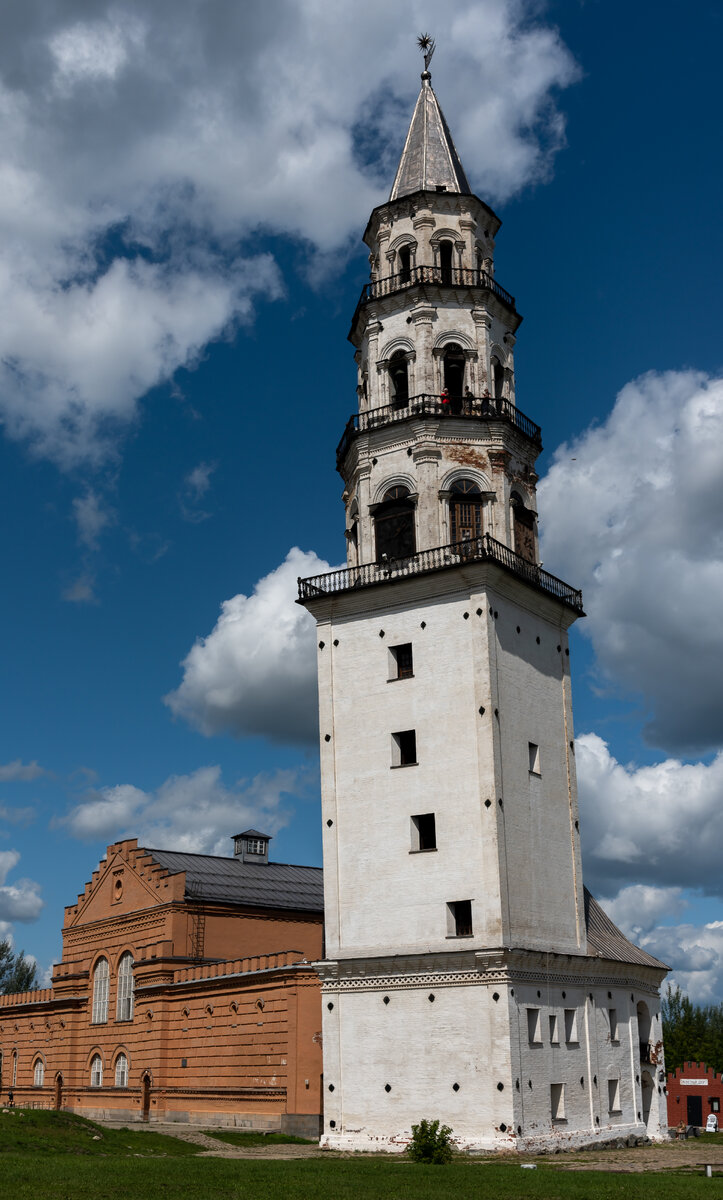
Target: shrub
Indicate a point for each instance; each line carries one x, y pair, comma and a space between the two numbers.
431, 1143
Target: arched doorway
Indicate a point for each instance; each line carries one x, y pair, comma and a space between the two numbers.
146, 1096
453, 371
58, 1102
394, 525
405, 264
648, 1089
399, 379
465, 511
498, 378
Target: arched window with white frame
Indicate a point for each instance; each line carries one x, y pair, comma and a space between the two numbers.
121, 1071
96, 1071
124, 999
39, 1073
100, 992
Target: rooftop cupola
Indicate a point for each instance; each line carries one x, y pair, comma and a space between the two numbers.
251, 846
429, 162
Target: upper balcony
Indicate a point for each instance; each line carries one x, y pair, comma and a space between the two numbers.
454, 277
484, 409
482, 549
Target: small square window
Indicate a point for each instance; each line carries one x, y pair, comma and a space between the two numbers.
613, 1095
714, 1104
459, 918
533, 1026
424, 832
401, 663
554, 1034
404, 748
613, 1016
570, 1025
534, 753
557, 1101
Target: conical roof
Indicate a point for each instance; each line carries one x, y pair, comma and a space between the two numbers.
429, 158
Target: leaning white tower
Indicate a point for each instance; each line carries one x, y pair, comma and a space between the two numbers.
469, 975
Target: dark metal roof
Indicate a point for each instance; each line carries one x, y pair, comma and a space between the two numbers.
255, 833
605, 940
429, 158
255, 885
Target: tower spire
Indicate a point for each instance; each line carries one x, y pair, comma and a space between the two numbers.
429, 161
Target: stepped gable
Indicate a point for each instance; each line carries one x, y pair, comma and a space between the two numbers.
605, 940
152, 878
256, 885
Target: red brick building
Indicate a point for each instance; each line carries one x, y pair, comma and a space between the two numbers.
185, 992
694, 1091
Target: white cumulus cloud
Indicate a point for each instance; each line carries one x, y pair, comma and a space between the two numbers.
196, 813
21, 900
631, 510
255, 672
19, 771
145, 146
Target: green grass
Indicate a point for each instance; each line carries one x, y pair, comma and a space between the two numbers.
252, 1137
54, 1156
58, 1177
38, 1131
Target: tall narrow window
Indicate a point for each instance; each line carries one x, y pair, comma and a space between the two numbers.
445, 261
394, 525
121, 1071
554, 1034
459, 918
533, 1027
613, 1095
399, 379
39, 1073
570, 1025
453, 363
613, 1017
465, 511
100, 992
557, 1101
404, 748
15, 1067
424, 832
405, 264
533, 751
401, 662
96, 1071
124, 1001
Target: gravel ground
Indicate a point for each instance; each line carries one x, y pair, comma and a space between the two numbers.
675, 1155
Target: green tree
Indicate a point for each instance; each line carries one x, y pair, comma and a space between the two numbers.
17, 973
691, 1032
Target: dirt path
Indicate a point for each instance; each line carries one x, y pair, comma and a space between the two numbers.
667, 1156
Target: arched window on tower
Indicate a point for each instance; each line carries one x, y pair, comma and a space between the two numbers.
523, 528
465, 511
405, 264
394, 525
39, 1073
498, 377
453, 371
124, 1001
399, 379
446, 250
100, 992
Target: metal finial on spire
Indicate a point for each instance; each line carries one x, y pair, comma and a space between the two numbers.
426, 45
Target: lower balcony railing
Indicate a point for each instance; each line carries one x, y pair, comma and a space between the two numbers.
481, 408
482, 549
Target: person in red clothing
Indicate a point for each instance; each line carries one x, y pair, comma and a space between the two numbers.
445, 401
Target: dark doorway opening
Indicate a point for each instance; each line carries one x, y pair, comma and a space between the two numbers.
445, 261
399, 376
454, 375
695, 1110
58, 1092
394, 525
146, 1082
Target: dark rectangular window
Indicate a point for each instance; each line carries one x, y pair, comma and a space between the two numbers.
401, 665
424, 832
460, 918
404, 748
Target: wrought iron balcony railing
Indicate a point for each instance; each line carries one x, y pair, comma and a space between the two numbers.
481, 408
440, 276
482, 549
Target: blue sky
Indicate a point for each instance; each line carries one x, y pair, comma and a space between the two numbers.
184, 196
